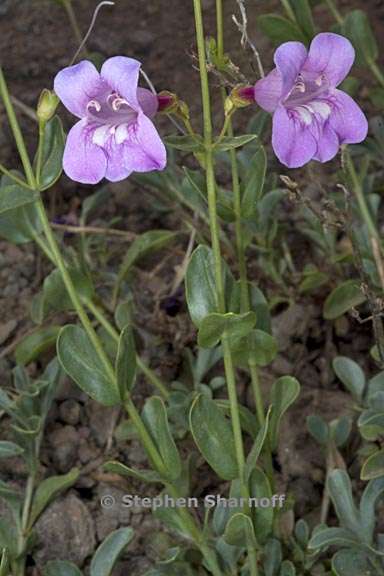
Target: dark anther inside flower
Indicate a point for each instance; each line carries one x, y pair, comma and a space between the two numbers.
115, 135
311, 117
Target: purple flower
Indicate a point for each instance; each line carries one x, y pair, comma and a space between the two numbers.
115, 135
311, 117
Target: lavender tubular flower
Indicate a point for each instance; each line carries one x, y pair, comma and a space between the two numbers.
115, 135
311, 117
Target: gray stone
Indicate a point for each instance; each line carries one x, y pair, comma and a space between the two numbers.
65, 442
65, 531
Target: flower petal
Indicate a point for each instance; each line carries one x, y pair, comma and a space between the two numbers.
347, 119
77, 85
117, 166
289, 59
332, 55
145, 150
268, 91
328, 144
83, 160
148, 102
292, 141
122, 74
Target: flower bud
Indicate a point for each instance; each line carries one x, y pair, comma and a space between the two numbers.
47, 105
242, 96
170, 103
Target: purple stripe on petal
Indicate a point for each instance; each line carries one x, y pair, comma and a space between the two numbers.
145, 150
289, 59
347, 119
292, 141
332, 55
328, 144
83, 161
148, 102
77, 85
117, 167
122, 75
268, 91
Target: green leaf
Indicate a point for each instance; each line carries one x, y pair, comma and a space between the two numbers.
260, 307
372, 492
287, 569
61, 568
143, 475
346, 296
155, 419
200, 285
371, 424
47, 490
32, 346
254, 183
340, 490
53, 150
318, 428
109, 552
357, 28
147, 243
80, 361
303, 15
351, 562
126, 362
8, 536
18, 226
247, 418
239, 531
302, 533
215, 325
332, 537
340, 430
284, 392
185, 143
258, 347
55, 295
280, 29
231, 142
213, 435
272, 557
351, 375
14, 196
373, 467
9, 449
262, 516
258, 444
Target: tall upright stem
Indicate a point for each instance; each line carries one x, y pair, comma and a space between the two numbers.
215, 234
215, 239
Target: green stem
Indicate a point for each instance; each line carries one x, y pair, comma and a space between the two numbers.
287, 7
244, 288
158, 464
148, 373
215, 239
335, 12
53, 246
17, 132
13, 177
73, 21
359, 195
40, 148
